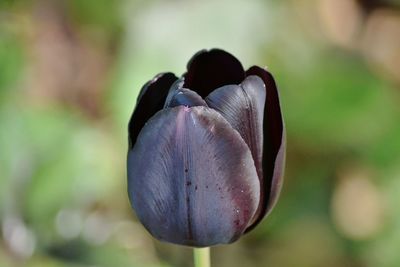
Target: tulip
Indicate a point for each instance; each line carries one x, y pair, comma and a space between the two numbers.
206, 151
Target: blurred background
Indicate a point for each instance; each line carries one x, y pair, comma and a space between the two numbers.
70, 71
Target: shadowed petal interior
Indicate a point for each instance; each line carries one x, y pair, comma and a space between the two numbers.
150, 100
191, 178
274, 143
208, 70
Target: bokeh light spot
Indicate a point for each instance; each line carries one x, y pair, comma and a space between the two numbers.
357, 205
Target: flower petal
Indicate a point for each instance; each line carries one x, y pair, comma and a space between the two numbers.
177, 85
243, 107
179, 96
274, 143
186, 97
150, 100
208, 70
191, 178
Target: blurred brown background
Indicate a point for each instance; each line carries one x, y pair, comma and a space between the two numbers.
70, 71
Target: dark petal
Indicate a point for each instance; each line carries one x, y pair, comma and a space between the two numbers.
150, 100
274, 144
177, 85
191, 178
243, 107
208, 70
185, 97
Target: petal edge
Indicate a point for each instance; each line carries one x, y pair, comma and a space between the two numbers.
150, 100
210, 69
274, 143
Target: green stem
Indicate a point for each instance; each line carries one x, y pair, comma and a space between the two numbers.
201, 257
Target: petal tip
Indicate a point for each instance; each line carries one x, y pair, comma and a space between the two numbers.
210, 69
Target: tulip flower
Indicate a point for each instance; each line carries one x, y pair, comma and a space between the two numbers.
206, 151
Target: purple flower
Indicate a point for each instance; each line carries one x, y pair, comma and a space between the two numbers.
206, 151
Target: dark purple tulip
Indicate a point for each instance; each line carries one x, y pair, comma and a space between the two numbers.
206, 151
